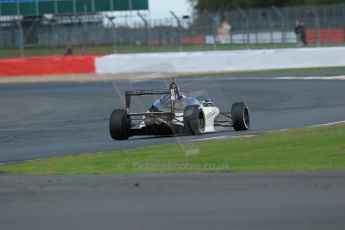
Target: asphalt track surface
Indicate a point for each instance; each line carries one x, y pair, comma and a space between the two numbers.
206, 201
54, 119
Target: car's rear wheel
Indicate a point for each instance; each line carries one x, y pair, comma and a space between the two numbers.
119, 125
240, 116
194, 120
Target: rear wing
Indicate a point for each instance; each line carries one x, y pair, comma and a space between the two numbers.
173, 91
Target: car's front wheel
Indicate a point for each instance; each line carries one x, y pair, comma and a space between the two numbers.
119, 125
240, 116
194, 120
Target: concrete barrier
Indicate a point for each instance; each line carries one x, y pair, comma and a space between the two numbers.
221, 61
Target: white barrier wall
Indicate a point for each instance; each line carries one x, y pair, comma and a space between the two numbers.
221, 61
254, 38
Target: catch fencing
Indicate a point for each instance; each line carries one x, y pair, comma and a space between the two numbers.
135, 31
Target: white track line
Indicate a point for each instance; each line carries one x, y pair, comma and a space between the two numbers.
252, 135
312, 78
327, 124
222, 137
331, 78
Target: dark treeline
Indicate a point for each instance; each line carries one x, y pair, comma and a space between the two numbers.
223, 5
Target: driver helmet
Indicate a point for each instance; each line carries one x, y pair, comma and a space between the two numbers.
208, 100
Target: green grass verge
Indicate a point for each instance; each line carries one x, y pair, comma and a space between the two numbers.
328, 72
129, 48
296, 150
109, 48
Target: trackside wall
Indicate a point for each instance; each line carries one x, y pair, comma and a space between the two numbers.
179, 62
220, 61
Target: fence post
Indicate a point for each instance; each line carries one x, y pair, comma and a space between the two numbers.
179, 30
269, 16
282, 23
51, 22
21, 38
343, 10
213, 30
317, 24
147, 29
1, 35
111, 19
246, 17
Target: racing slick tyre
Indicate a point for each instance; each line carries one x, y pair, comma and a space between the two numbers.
240, 116
194, 120
119, 125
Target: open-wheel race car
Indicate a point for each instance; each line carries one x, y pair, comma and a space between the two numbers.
175, 113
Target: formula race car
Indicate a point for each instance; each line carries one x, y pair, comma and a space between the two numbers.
175, 113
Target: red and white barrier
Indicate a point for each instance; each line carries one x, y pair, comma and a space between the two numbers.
47, 65
179, 62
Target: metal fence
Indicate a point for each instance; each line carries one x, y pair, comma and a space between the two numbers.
240, 28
